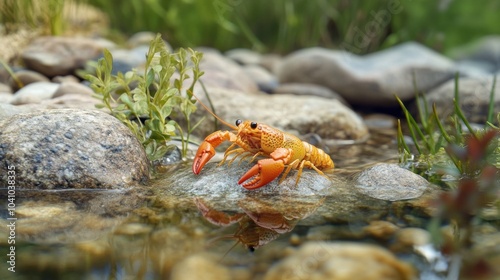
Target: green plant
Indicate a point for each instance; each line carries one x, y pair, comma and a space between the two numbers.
431, 135
461, 206
472, 157
152, 96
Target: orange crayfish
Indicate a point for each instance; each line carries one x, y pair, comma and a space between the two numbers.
257, 139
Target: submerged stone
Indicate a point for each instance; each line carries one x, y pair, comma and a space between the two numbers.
336, 260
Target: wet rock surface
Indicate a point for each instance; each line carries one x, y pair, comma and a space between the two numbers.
69, 148
390, 182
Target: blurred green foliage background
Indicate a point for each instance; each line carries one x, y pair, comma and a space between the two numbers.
361, 26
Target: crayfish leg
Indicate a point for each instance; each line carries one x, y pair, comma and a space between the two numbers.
229, 151
293, 165
253, 158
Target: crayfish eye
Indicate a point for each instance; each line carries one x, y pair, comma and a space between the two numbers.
238, 122
253, 125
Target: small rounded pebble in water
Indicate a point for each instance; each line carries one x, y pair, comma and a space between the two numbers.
295, 240
132, 229
408, 238
381, 229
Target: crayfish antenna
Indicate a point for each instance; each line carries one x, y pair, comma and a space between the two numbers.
213, 240
213, 114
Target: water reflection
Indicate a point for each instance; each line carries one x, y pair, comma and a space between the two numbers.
261, 220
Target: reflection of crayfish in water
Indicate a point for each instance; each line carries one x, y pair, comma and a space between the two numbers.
257, 139
258, 225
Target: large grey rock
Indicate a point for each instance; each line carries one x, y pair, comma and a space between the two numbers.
474, 97
61, 149
390, 182
53, 56
372, 79
328, 118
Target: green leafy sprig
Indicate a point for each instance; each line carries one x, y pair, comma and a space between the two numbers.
145, 102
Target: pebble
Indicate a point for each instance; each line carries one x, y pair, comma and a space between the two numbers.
200, 266
381, 229
35, 93
26, 77
407, 238
72, 88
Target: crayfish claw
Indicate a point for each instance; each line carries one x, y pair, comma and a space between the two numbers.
264, 171
205, 152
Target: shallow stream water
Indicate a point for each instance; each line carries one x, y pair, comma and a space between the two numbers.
148, 233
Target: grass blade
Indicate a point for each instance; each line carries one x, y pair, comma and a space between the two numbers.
491, 106
411, 124
403, 147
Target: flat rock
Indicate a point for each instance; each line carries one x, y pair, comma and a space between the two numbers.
372, 79
35, 93
339, 261
328, 118
390, 182
474, 96
53, 56
70, 149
